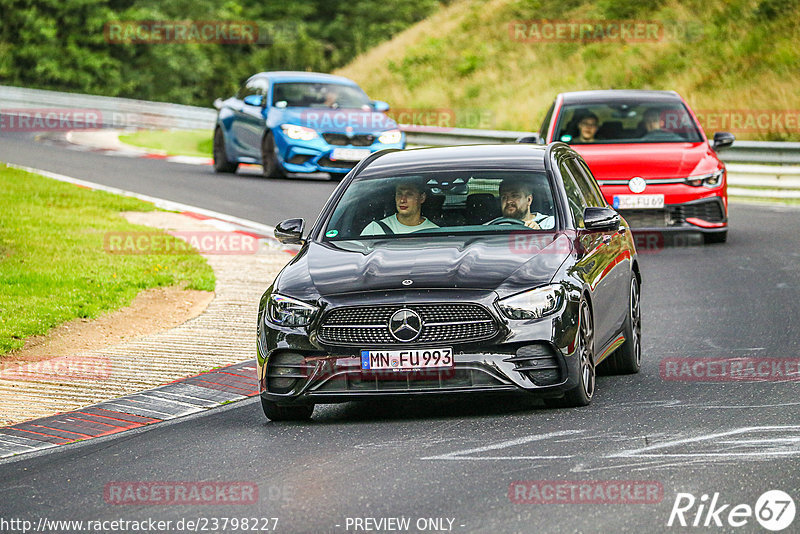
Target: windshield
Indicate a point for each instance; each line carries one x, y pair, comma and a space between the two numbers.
443, 203
319, 95
626, 122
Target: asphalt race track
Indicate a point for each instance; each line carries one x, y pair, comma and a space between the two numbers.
456, 461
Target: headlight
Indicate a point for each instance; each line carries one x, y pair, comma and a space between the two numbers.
391, 137
709, 180
287, 311
533, 304
293, 131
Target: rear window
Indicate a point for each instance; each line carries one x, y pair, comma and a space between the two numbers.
627, 122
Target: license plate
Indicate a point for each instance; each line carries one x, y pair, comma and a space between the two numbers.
349, 154
622, 202
406, 360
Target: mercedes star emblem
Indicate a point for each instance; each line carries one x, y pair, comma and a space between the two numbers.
405, 325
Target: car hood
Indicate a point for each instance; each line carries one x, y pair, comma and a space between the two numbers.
339, 120
648, 160
496, 263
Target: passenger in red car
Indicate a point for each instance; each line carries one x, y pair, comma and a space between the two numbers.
587, 128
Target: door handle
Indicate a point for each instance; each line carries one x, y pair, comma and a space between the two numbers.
606, 238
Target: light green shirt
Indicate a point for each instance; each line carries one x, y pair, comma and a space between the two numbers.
396, 226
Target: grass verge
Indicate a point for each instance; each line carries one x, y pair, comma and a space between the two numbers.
173, 142
53, 264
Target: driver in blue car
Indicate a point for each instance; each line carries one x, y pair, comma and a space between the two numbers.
408, 198
516, 197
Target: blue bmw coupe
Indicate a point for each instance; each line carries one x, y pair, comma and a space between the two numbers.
301, 122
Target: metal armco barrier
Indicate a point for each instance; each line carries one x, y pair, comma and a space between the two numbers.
114, 112
128, 113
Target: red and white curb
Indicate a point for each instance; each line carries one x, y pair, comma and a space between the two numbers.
128, 151
170, 401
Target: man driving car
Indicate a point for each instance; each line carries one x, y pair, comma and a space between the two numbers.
516, 197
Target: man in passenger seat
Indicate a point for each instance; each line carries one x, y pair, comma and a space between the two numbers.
516, 197
408, 197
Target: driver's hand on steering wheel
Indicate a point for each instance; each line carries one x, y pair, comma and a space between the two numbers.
533, 224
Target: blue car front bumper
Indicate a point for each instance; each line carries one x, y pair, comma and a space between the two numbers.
318, 155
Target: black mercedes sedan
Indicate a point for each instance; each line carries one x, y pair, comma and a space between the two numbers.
455, 270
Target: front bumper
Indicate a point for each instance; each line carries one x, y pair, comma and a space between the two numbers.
298, 156
535, 356
705, 215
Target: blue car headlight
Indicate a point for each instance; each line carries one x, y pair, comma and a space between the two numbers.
301, 133
391, 137
533, 304
286, 311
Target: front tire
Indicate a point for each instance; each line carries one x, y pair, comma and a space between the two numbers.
269, 160
627, 359
583, 392
275, 412
221, 163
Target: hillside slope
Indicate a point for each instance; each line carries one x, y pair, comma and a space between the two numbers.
730, 60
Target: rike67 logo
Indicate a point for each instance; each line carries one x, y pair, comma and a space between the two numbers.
774, 510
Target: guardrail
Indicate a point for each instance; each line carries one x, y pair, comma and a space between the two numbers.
111, 112
129, 113
740, 152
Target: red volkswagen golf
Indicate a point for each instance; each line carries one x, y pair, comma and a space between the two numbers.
650, 155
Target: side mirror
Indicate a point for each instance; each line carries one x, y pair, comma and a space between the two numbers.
253, 100
290, 232
531, 139
380, 106
723, 140
600, 219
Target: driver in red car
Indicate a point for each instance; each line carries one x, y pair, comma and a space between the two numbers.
516, 197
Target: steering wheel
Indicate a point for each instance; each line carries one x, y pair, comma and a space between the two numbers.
504, 220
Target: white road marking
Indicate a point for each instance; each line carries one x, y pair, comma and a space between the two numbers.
769, 447
461, 455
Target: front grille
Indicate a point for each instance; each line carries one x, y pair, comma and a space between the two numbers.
327, 162
675, 214
646, 218
342, 139
431, 380
441, 323
710, 211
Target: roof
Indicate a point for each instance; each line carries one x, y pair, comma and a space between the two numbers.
616, 95
510, 156
302, 76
